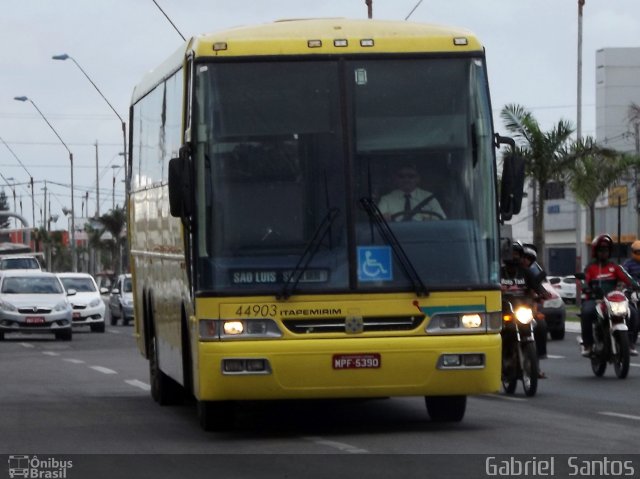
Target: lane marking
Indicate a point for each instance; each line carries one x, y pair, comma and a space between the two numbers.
138, 384
634, 365
103, 370
27, 345
74, 361
113, 331
617, 414
555, 356
50, 353
341, 446
505, 397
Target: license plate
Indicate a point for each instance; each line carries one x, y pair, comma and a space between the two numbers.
356, 361
34, 320
77, 316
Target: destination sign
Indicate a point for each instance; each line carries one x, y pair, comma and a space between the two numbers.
259, 276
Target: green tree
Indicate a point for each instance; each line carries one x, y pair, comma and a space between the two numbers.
545, 157
593, 171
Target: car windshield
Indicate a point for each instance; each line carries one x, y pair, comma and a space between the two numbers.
81, 285
19, 263
31, 285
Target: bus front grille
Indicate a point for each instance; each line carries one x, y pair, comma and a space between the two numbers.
339, 325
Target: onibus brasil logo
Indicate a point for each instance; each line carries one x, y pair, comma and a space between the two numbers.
36, 468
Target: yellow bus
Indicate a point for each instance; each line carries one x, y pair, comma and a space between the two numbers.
266, 261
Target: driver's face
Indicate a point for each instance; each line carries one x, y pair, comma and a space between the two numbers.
407, 179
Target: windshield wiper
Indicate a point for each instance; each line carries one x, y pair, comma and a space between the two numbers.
307, 255
390, 238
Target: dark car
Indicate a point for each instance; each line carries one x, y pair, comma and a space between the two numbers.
554, 312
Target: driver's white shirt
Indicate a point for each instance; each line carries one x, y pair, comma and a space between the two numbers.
393, 204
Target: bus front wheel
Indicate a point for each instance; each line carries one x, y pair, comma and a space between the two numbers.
446, 408
216, 415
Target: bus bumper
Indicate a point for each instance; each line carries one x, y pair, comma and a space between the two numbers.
297, 369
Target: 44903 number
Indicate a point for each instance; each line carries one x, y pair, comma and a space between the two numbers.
257, 310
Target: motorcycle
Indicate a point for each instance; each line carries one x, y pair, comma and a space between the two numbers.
519, 355
610, 332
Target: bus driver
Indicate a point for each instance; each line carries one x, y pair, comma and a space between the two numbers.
408, 202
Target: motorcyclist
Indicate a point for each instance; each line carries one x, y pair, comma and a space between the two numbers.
522, 274
529, 261
632, 266
604, 274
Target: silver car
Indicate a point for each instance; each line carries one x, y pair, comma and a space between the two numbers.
34, 302
88, 306
121, 300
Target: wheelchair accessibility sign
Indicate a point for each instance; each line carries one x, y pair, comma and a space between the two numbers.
374, 263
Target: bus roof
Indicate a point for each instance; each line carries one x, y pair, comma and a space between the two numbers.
292, 37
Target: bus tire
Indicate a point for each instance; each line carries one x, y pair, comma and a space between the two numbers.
446, 408
164, 390
216, 415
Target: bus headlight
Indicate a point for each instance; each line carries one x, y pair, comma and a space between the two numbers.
457, 323
258, 328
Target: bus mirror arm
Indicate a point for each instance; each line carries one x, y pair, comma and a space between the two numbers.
180, 184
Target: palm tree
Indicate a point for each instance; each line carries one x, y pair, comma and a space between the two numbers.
114, 222
544, 154
593, 171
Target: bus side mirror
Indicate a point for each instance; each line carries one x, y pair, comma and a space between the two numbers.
512, 185
180, 185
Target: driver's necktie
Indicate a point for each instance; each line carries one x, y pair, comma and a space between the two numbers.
406, 216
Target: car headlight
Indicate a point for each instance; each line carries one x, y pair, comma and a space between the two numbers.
4, 306
61, 306
95, 302
524, 314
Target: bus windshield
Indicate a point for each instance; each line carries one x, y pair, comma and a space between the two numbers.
281, 146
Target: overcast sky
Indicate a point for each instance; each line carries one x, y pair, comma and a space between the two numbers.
531, 53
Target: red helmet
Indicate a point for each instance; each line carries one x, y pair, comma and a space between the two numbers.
601, 240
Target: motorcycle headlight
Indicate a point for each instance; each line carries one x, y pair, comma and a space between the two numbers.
524, 314
619, 308
95, 302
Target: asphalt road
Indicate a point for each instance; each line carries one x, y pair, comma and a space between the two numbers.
91, 396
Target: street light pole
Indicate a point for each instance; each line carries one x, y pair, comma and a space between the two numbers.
64, 56
74, 260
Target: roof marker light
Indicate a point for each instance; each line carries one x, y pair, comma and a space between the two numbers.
461, 41
366, 42
314, 43
219, 46
341, 43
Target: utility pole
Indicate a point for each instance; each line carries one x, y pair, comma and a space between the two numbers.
97, 187
579, 137
369, 8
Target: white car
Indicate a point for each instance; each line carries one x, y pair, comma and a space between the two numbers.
565, 286
88, 306
34, 302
